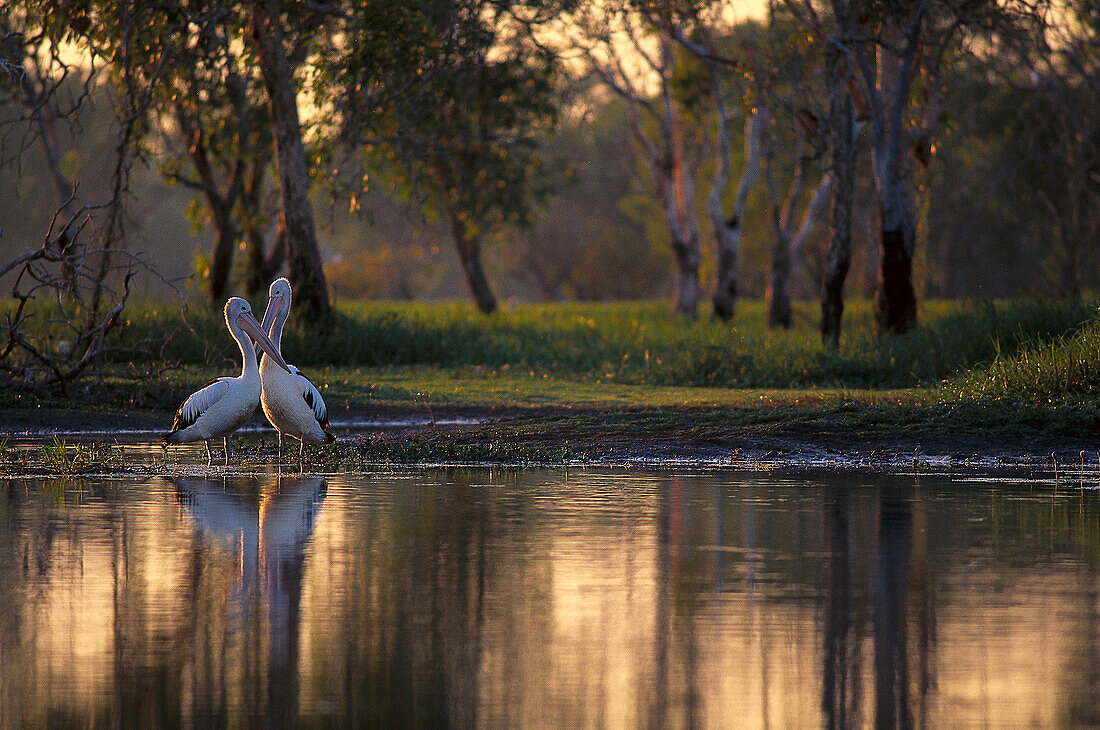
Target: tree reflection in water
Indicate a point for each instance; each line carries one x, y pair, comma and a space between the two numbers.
596, 598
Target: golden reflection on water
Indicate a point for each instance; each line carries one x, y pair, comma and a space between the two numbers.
582, 599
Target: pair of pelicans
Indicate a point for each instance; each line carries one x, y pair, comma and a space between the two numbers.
291, 403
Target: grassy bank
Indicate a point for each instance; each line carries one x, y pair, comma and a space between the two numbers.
566, 377
640, 343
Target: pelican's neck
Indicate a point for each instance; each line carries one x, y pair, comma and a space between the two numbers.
248, 351
276, 333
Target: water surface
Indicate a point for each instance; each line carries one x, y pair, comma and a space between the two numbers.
550, 598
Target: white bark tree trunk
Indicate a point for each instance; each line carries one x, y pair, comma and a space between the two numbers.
728, 230
895, 300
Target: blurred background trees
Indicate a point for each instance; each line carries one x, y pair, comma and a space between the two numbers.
553, 149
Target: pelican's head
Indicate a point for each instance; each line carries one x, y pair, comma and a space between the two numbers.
235, 307
278, 301
238, 315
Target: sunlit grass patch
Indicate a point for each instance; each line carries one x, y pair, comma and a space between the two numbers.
1066, 367
61, 458
638, 342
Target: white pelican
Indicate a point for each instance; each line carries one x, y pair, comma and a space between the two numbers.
291, 402
224, 405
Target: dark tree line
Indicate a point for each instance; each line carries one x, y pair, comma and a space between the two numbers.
449, 105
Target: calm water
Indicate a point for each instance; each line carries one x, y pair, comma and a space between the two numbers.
569, 598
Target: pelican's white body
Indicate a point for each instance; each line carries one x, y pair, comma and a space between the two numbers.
221, 407
290, 401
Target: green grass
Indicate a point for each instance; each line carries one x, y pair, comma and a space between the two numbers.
60, 457
1067, 367
433, 356
638, 343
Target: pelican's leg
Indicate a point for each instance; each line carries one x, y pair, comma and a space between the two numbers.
302, 451
228, 449
280, 446
209, 454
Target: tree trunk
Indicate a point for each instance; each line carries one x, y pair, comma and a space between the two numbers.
779, 285
727, 236
728, 231
469, 253
261, 264
303, 254
895, 301
801, 237
225, 241
778, 293
679, 198
843, 153
684, 232
687, 266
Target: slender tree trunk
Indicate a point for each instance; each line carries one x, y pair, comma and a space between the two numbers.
727, 235
778, 293
679, 197
469, 253
779, 284
728, 231
261, 265
683, 228
303, 252
687, 253
221, 260
818, 200
895, 300
843, 152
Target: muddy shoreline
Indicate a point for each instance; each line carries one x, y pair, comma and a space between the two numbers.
635, 436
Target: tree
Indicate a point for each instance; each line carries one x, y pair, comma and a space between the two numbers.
842, 133
897, 57
1063, 146
296, 220
770, 68
876, 57
216, 111
179, 68
82, 281
786, 69
666, 136
450, 108
728, 77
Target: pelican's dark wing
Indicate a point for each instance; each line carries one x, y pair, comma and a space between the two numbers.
312, 397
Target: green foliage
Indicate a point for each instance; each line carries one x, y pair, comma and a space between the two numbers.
639, 343
448, 100
1066, 367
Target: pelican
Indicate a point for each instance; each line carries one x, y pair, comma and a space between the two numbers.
290, 401
224, 405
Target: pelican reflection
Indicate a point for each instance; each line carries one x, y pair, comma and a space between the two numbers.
268, 523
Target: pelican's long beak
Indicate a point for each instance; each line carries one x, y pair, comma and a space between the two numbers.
251, 327
274, 309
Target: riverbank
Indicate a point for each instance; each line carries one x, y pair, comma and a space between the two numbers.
991, 383
764, 429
